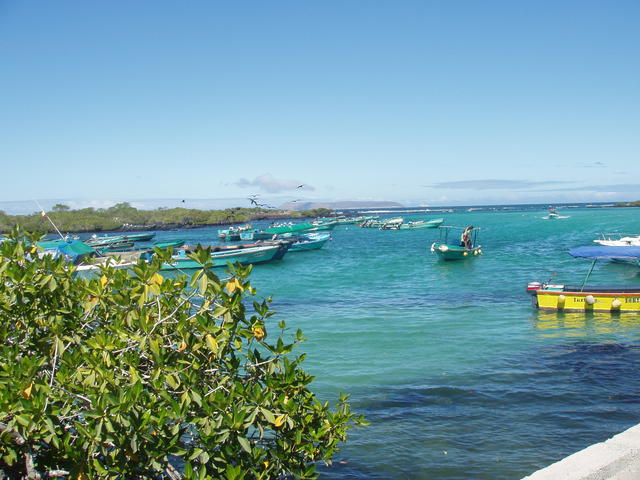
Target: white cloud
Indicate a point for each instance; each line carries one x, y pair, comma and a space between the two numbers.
270, 184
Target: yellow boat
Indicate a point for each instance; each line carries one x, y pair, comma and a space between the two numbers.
568, 298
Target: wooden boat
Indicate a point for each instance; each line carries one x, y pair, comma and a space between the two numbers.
467, 247
244, 256
435, 223
583, 298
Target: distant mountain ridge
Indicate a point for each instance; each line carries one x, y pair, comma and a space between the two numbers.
339, 205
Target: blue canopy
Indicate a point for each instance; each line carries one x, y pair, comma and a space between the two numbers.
605, 252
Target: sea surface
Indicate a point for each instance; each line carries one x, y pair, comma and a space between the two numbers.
458, 375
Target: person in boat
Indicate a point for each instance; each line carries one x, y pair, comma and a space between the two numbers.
465, 238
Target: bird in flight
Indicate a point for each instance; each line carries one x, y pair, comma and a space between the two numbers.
300, 186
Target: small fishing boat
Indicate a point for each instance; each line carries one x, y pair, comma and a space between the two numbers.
553, 215
372, 223
289, 228
233, 234
139, 237
244, 256
257, 235
418, 224
354, 220
122, 245
392, 224
618, 240
583, 298
448, 249
309, 241
169, 243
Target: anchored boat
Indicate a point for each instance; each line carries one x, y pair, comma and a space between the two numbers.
418, 224
244, 256
447, 248
583, 298
308, 241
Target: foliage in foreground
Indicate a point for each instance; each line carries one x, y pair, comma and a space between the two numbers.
132, 375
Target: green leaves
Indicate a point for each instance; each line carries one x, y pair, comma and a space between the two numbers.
120, 375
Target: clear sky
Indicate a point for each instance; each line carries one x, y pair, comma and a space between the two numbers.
420, 102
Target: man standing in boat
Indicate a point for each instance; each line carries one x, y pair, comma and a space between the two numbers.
465, 238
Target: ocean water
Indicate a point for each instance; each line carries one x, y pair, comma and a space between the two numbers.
458, 375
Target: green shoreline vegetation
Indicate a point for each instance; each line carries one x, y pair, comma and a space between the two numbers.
628, 204
124, 217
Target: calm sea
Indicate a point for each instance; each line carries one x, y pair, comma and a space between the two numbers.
459, 377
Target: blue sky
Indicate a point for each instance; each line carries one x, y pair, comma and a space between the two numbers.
418, 102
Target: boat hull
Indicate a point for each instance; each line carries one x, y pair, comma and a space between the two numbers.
308, 245
248, 256
422, 224
448, 252
588, 301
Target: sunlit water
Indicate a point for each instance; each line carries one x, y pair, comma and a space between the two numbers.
457, 374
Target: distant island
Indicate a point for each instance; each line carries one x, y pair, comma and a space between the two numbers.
124, 217
628, 204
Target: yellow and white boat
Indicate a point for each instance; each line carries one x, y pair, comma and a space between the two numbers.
569, 298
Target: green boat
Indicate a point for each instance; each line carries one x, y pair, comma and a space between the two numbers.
169, 244
139, 237
244, 256
290, 228
96, 241
467, 247
232, 234
71, 249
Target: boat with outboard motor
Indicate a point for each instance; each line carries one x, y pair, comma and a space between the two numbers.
583, 298
467, 247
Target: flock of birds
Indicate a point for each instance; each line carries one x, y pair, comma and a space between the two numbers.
254, 201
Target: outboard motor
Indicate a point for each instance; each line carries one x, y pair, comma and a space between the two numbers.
533, 287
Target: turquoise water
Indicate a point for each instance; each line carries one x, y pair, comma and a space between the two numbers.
457, 374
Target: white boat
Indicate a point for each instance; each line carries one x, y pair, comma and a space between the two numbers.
618, 240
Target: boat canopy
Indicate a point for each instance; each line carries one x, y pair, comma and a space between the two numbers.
72, 249
605, 252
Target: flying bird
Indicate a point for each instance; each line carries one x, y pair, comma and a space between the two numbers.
300, 186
